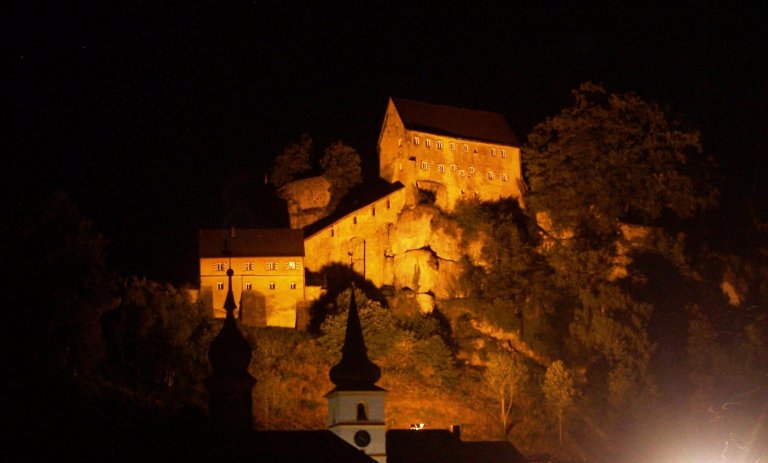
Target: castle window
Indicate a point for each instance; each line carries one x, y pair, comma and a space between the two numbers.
453, 167
272, 285
400, 142
220, 286
439, 144
503, 177
462, 173
248, 286
465, 147
425, 165
503, 153
428, 143
452, 146
389, 204
270, 266
493, 152
293, 285
354, 220
491, 175
471, 170
416, 141
373, 210
332, 234
292, 265
247, 266
400, 165
219, 267
441, 168
362, 413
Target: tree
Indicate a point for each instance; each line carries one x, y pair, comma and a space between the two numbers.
559, 390
612, 157
292, 162
505, 376
341, 166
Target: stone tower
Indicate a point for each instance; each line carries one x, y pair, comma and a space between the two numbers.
356, 404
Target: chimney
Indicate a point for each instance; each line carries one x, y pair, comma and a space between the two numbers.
456, 431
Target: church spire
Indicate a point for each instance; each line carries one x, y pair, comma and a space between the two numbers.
354, 372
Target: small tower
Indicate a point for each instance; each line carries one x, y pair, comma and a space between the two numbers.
230, 384
356, 404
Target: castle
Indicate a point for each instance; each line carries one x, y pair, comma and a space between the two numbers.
427, 152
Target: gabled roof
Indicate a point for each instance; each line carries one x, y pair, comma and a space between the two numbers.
253, 242
456, 122
440, 445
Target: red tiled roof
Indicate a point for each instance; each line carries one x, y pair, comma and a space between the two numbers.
457, 122
251, 242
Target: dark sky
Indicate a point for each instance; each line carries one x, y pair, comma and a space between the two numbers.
155, 115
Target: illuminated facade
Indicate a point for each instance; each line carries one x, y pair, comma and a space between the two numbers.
453, 153
268, 284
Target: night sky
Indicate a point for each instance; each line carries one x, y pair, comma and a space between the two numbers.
154, 115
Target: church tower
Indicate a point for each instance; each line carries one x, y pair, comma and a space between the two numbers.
356, 404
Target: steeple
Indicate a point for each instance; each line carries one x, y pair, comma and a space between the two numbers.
354, 372
230, 384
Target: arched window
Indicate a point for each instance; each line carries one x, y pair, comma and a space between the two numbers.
362, 413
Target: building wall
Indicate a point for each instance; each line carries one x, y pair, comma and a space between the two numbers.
452, 168
267, 289
360, 239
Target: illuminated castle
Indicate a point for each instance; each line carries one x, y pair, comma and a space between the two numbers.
427, 153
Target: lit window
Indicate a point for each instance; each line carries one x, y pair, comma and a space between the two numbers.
425, 165
465, 147
441, 168
292, 265
293, 285
493, 152
248, 266
453, 167
491, 175
439, 144
471, 170
503, 153
248, 286
271, 285
452, 146
416, 141
220, 286
399, 142
270, 266
462, 173
428, 143
219, 267
503, 177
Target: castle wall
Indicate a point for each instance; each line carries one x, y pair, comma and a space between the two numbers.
360, 238
269, 290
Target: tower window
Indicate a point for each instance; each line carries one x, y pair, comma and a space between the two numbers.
362, 413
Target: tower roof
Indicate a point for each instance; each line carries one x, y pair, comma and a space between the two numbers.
354, 372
